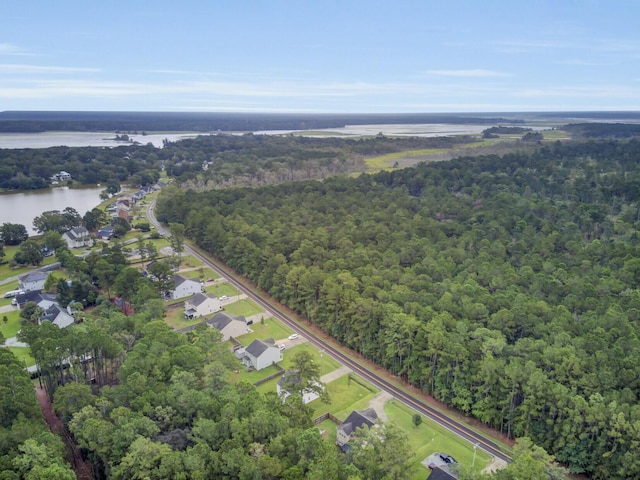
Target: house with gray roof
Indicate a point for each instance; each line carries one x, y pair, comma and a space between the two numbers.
228, 325
201, 305
356, 419
32, 281
261, 354
57, 315
42, 299
184, 287
77, 237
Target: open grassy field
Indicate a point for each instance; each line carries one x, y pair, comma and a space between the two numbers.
430, 437
10, 329
243, 307
222, 288
189, 261
327, 363
201, 273
345, 395
386, 162
24, 355
271, 328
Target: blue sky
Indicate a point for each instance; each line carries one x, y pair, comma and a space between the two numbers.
320, 56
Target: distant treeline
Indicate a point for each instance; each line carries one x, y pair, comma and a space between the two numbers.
501, 129
31, 122
603, 130
31, 168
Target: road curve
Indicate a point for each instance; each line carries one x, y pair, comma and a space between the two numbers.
450, 424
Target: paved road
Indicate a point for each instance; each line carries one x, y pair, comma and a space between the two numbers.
360, 368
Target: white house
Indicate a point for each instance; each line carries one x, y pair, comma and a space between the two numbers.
200, 305
291, 376
356, 419
77, 237
57, 315
261, 353
228, 325
184, 287
32, 281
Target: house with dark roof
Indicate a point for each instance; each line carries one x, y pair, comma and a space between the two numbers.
184, 287
442, 472
228, 325
57, 315
291, 377
261, 354
32, 281
105, 233
201, 305
42, 299
77, 237
356, 419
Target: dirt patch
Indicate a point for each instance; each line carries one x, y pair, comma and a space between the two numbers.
81, 467
494, 464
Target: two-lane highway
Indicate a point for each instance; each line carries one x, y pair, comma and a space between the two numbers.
361, 369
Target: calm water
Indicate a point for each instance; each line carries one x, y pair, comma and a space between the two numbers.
81, 139
23, 207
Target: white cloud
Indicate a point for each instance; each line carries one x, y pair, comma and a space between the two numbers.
10, 49
478, 72
13, 68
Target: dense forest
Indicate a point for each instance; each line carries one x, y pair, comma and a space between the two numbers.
603, 130
206, 161
27, 448
507, 287
29, 168
251, 160
14, 121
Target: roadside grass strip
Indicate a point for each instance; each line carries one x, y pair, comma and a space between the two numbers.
222, 288
429, 437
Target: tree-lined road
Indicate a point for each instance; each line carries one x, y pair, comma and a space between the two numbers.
361, 369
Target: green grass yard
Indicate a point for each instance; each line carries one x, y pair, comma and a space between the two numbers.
24, 355
10, 329
327, 364
201, 273
271, 328
430, 437
345, 395
222, 288
243, 307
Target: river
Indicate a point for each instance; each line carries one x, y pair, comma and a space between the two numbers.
23, 207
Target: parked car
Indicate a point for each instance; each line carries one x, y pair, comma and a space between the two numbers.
293, 336
447, 458
249, 322
281, 346
224, 297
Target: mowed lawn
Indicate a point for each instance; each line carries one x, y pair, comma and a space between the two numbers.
271, 328
243, 307
429, 438
222, 288
347, 393
24, 355
10, 329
